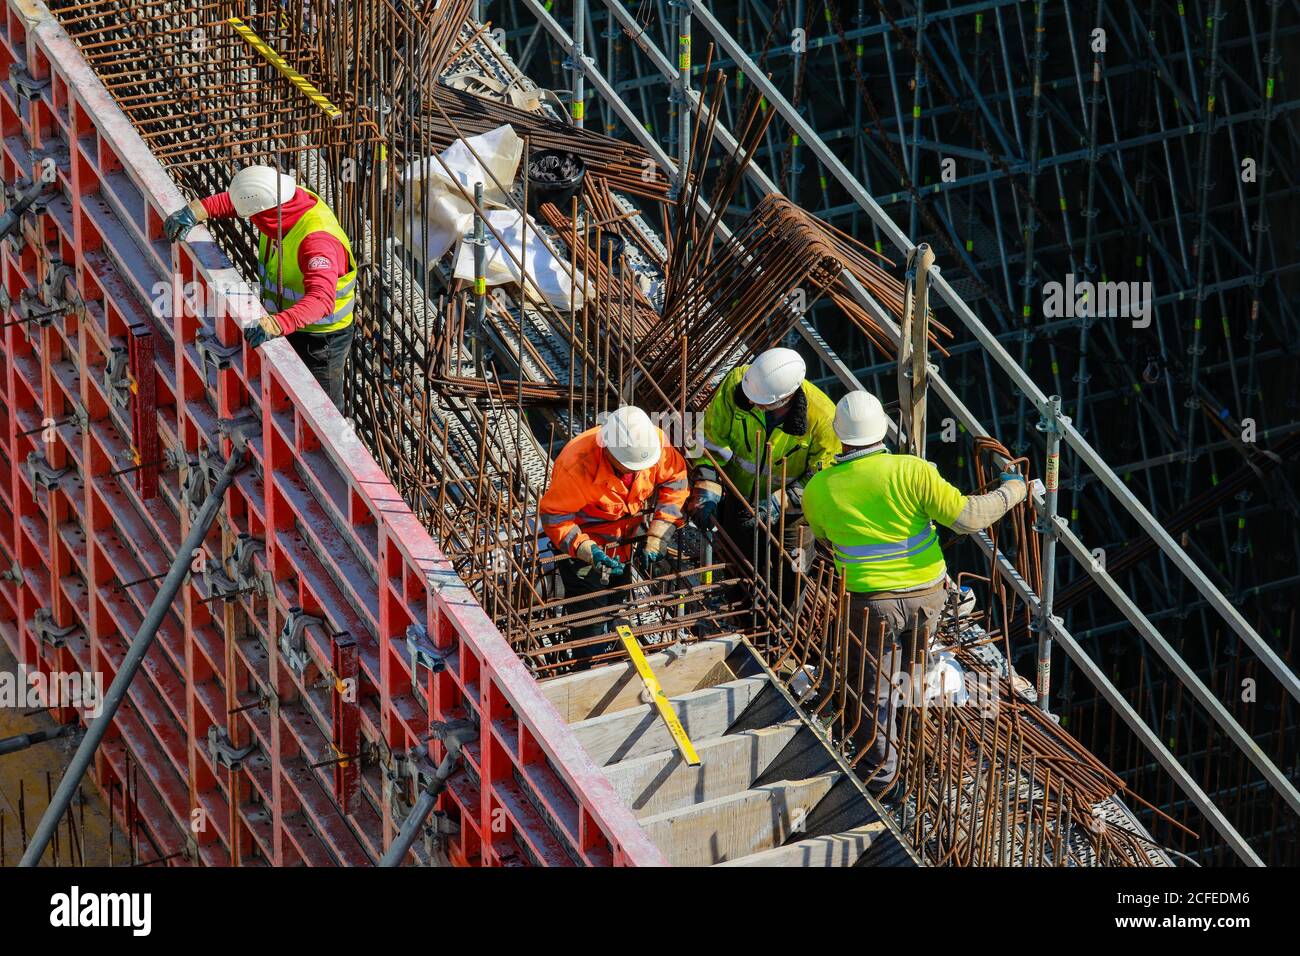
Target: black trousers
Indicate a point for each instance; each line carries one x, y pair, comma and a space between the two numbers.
576, 585
325, 354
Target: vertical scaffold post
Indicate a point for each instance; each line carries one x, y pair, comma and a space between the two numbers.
576, 63
1051, 425
480, 277
681, 94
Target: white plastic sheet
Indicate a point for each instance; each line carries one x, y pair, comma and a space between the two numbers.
440, 212
550, 276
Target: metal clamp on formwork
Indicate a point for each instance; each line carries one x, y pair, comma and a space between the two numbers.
45, 630
422, 650
293, 639
224, 753
16, 206
219, 584
211, 352
25, 85
117, 377
242, 566
42, 475
54, 289
429, 782
241, 431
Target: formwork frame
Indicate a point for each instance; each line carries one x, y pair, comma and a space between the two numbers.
236, 721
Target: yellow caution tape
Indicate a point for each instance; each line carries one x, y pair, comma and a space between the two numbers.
292, 75
658, 696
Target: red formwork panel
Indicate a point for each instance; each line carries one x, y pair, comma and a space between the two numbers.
288, 706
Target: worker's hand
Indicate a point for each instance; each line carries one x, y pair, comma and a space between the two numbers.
599, 559
653, 547
178, 225
265, 330
769, 510
1013, 487
703, 502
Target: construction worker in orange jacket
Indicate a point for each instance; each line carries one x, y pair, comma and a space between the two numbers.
608, 485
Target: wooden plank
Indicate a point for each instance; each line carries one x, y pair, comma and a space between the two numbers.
832, 850
736, 826
616, 686
659, 782
629, 733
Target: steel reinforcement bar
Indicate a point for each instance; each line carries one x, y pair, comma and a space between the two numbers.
291, 709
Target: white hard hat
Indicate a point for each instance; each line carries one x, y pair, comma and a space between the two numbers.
256, 189
860, 419
775, 375
631, 438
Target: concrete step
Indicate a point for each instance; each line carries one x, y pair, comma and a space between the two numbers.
663, 781
832, 850
680, 670
705, 714
735, 826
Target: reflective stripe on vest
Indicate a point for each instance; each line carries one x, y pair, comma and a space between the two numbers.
281, 278
888, 551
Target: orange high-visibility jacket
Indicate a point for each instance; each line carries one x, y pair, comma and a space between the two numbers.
587, 498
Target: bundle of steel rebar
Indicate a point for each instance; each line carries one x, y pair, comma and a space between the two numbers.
625, 166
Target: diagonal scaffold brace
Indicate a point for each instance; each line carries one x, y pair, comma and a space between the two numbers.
140, 644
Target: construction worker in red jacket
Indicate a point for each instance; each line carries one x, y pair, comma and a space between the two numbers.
306, 268
609, 485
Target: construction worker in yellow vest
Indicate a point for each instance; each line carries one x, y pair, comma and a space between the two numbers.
306, 268
770, 430
877, 511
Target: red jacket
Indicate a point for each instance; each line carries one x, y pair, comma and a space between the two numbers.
588, 500
321, 257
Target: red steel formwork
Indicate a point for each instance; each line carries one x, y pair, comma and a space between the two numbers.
279, 716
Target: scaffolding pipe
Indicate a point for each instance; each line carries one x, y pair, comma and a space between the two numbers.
578, 107
140, 644
1050, 426
11, 745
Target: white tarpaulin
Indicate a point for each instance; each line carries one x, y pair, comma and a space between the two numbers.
550, 276
440, 212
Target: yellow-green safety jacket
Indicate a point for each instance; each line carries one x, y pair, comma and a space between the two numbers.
876, 510
736, 434
281, 289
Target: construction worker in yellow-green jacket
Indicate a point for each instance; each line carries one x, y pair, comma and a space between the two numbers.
877, 511
770, 430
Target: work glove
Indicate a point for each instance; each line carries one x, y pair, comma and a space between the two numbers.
653, 547
703, 502
1014, 487
768, 511
178, 225
266, 329
597, 558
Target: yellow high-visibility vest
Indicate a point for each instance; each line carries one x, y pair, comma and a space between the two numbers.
877, 511
281, 278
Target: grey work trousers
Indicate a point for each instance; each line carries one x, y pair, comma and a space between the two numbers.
905, 616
